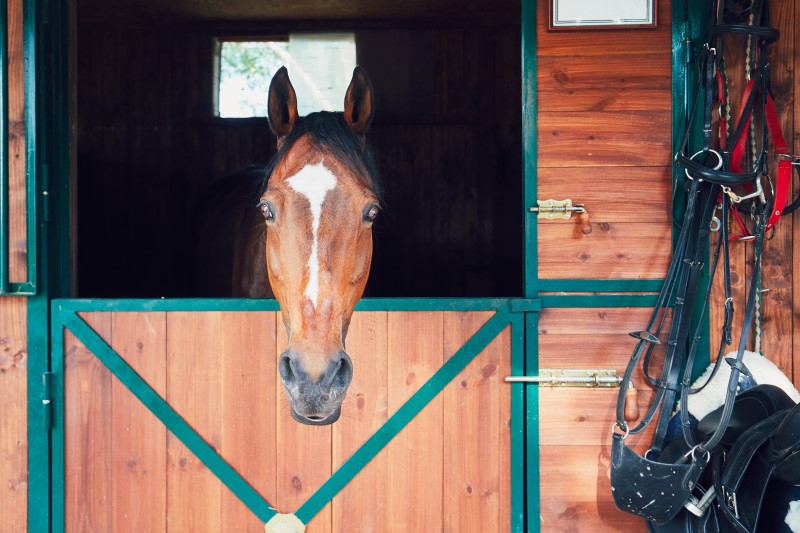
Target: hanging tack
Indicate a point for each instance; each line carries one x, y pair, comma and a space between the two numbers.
631, 403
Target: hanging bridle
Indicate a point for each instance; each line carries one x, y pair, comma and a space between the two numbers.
716, 179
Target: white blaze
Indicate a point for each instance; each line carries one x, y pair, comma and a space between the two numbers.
313, 182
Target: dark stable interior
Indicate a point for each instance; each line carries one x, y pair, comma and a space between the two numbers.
447, 135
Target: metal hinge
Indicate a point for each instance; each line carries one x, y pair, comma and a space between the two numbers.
569, 377
47, 399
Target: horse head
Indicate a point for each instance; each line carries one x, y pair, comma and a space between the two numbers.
319, 205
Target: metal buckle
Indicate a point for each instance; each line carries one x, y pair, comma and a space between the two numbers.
730, 502
623, 427
793, 159
758, 193
698, 507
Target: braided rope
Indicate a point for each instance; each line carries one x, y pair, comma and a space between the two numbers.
749, 64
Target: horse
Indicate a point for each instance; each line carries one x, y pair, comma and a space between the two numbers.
306, 240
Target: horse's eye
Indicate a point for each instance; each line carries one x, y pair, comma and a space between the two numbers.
371, 213
267, 211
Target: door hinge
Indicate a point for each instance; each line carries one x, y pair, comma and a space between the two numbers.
47, 399
569, 377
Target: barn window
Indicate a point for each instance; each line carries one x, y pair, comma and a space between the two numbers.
320, 66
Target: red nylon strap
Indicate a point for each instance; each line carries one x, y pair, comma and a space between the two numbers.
779, 141
784, 180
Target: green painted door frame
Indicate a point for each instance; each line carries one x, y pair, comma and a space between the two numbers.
48, 155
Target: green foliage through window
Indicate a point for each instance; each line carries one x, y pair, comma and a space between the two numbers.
320, 67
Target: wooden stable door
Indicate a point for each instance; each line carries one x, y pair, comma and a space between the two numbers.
448, 470
603, 125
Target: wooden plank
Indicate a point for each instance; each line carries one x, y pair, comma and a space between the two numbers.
777, 265
613, 320
304, 463
17, 230
585, 416
615, 194
795, 220
476, 468
138, 438
87, 432
361, 504
604, 138
575, 493
14, 422
589, 339
415, 480
623, 81
248, 438
611, 251
193, 386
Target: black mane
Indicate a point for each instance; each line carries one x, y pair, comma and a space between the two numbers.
328, 131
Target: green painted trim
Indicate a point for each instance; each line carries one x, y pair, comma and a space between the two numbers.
404, 415
600, 285
532, 495
517, 425
252, 304
598, 300
529, 148
689, 33
39, 438
58, 435
171, 419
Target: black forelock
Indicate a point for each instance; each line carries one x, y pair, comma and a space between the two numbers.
327, 131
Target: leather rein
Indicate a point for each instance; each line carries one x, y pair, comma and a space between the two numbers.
713, 175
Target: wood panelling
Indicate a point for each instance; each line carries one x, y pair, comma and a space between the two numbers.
604, 141
14, 311
14, 420
149, 148
218, 371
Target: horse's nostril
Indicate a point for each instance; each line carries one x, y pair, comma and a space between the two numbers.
345, 373
285, 369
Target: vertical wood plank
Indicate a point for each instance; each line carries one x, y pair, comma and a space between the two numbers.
361, 506
18, 247
304, 455
248, 419
477, 431
139, 439
777, 262
87, 432
193, 386
14, 421
415, 454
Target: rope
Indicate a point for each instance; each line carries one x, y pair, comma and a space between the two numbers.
749, 65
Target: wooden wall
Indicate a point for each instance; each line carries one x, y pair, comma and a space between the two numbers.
13, 310
604, 130
148, 147
449, 470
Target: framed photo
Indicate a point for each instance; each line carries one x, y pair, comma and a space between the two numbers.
605, 14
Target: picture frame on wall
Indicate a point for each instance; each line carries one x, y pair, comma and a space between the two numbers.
608, 14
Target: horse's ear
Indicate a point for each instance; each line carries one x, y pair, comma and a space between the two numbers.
359, 102
282, 104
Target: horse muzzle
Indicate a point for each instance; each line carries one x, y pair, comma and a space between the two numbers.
315, 402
